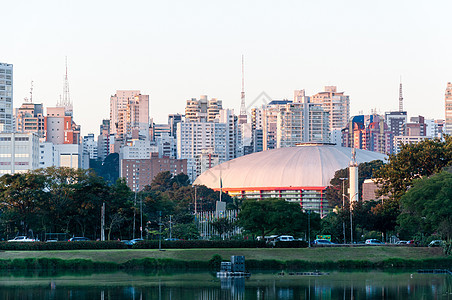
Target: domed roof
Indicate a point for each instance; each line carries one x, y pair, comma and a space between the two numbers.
310, 165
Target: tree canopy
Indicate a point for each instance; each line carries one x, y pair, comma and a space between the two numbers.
427, 206
412, 162
274, 216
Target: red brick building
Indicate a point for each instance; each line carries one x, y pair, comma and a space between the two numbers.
140, 172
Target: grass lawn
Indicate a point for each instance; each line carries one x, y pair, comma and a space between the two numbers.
374, 254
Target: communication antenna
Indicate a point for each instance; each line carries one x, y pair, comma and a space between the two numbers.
243, 116
31, 92
65, 99
400, 96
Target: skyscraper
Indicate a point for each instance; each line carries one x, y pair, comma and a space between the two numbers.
448, 109
6, 97
338, 106
129, 113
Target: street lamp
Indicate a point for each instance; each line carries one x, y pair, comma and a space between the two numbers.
309, 227
343, 205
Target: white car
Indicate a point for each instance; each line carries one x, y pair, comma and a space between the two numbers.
21, 238
285, 238
373, 242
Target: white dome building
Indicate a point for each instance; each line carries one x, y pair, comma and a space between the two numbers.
298, 174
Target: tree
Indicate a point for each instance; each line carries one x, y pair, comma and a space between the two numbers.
339, 183
222, 226
412, 162
275, 216
22, 196
427, 206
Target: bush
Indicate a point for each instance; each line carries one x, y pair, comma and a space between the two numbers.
198, 244
292, 244
41, 246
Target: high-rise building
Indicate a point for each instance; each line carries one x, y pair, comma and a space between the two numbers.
368, 132
396, 121
6, 97
301, 121
194, 137
139, 173
338, 107
448, 109
60, 128
103, 140
19, 152
202, 110
129, 115
30, 118
89, 146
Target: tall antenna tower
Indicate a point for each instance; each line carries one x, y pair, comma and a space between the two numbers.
31, 94
243, 116
400, 96
65, 100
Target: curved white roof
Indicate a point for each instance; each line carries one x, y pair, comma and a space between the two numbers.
312, 165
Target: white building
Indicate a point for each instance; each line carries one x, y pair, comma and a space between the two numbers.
62, 155
301, 122
194, 137
407, 139
19, 152
137, 149
338, 106
6, 97
89, 146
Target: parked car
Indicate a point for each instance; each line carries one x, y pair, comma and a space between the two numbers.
401, 242
322, 242
285, 238
436, 243
374, 242
78, 239
22, 238
172, 239
132, 242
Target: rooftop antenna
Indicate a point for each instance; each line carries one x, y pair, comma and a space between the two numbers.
243, 116
31, 92
400, 96
65, 99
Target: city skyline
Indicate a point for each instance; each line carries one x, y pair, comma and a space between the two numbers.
176, 52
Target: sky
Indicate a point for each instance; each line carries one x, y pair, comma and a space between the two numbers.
177, 50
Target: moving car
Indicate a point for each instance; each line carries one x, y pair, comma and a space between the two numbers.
21, 238
285, 238
78, 239
401, 242
322, 242
374, 242
436, 243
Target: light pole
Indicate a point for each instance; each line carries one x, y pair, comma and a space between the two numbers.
309, 227
343, 205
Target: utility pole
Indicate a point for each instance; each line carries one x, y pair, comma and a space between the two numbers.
141, 217
343, 206
160, 231
102, 223
309, 228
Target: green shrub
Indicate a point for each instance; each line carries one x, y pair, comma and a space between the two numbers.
198, 244
42, 246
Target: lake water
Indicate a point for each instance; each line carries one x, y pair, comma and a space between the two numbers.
204, 285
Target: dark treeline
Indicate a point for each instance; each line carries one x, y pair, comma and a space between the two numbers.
64, 200
416, 185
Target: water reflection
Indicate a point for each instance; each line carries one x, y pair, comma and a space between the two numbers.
337, 285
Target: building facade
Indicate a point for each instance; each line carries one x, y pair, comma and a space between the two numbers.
338, 107
30, 118
19, 152
139, 173
6, 97
448, 109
